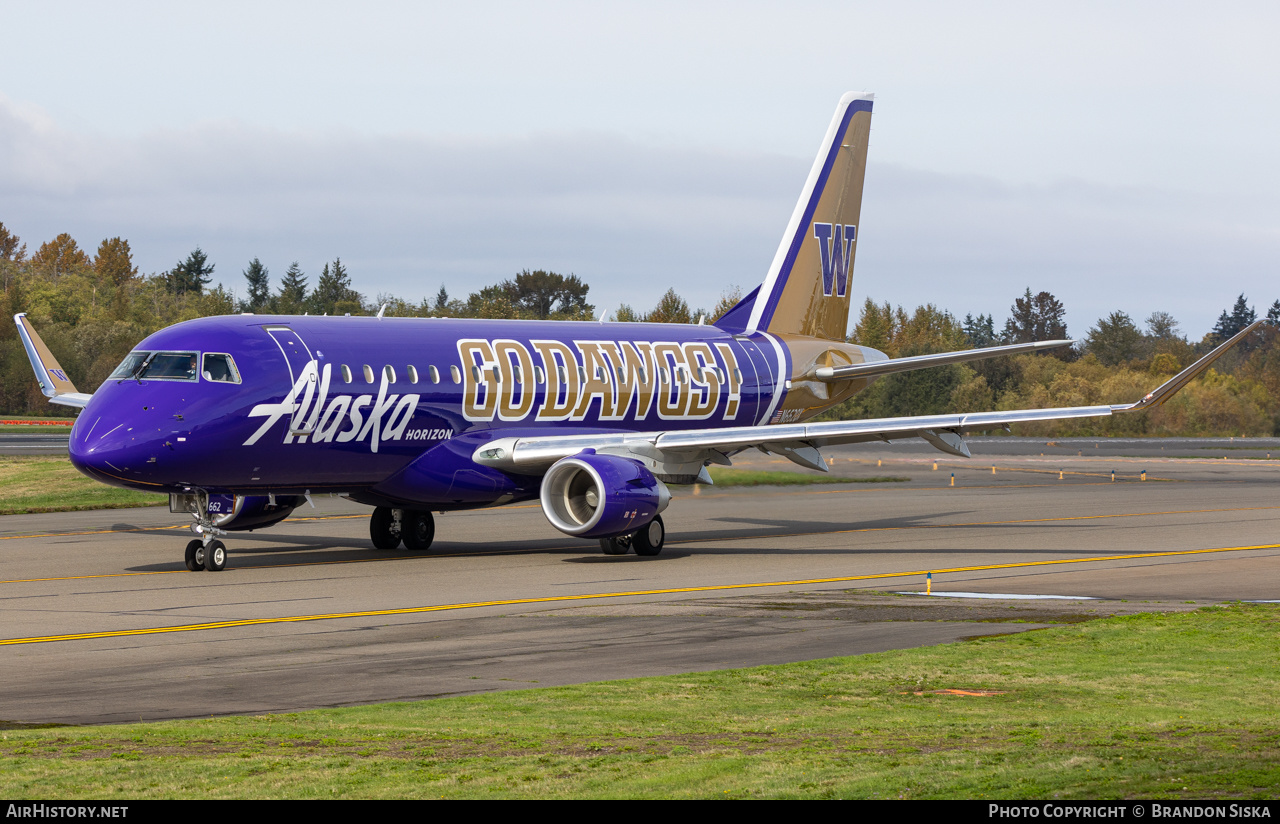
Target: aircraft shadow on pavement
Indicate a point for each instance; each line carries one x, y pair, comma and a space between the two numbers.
248, 550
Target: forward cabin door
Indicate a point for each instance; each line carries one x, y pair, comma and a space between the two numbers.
297, 356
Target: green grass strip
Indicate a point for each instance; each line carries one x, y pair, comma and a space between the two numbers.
39, 483
1160, 706
752, 477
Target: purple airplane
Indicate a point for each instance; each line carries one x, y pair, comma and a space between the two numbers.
241, 418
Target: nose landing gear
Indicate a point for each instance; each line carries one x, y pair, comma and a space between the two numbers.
205, 552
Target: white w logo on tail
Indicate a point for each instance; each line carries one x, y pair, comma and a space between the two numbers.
835, 241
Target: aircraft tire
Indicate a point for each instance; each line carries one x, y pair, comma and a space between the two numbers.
195, 556
383, 530
419, 530
616, 546
648, 540
215, 557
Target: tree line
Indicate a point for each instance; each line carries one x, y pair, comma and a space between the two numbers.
93, 308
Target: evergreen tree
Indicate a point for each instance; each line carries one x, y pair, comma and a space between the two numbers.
980, 331
259, 287
1114, 340
541, 293
442, 301
333, 294
192, 274
1035, 318
1273, 315
293, 291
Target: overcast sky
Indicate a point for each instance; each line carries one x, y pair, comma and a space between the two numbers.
1120, 156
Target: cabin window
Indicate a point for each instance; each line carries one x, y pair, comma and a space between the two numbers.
455, 374
519, 375
413, 373
368, 373
539, 375
737, 376
662, 375
641, 375
719, 374
618, 370
220, 368
582, 375
389, 372
434, 374
497, 375
560, 374
476, 374
346, 373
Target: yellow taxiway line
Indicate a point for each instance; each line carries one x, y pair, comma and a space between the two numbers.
330, 616
677, 542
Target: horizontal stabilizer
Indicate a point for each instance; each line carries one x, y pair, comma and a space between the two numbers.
872, 369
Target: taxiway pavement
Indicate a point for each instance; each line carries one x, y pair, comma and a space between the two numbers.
100, 622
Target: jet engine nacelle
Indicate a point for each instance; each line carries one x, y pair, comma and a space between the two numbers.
237, 512
601, 496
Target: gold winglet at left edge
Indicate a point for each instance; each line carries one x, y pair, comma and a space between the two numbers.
53, 380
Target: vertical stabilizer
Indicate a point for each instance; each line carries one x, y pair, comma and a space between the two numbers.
809, 283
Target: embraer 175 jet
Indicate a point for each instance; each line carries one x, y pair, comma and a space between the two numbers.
240, 418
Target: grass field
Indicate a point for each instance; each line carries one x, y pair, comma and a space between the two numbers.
751, 477
51, 484
1148, 706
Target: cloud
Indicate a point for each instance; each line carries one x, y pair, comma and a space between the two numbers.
408, 212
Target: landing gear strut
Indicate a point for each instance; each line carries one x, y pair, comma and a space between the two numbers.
206, 552
647, 540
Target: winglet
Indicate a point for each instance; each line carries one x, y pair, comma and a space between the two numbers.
1169, 387
54, 383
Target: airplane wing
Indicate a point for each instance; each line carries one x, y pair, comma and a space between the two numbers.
891, 365
684, 454
54, 383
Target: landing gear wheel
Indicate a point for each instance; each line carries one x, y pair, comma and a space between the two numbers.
195, 556
616, 546
419, 530
386, 530
650, 538
215, 556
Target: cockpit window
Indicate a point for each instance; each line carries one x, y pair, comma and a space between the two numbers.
220, 369
128, 366
164, 366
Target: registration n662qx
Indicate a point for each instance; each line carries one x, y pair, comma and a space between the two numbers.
239, 418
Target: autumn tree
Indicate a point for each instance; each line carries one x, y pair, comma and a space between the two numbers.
58, 257
671, 308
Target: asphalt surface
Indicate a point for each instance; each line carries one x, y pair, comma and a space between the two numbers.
100, 622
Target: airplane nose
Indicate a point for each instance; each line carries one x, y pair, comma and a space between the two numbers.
113, 452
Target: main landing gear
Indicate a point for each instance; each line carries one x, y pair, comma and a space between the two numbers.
388, 527
647, 540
